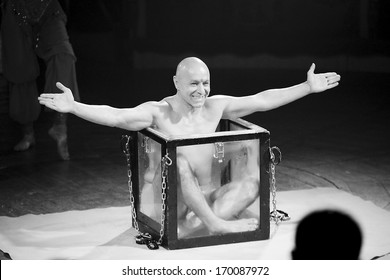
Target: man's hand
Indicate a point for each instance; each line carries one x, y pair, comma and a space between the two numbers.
323, 81
61, 102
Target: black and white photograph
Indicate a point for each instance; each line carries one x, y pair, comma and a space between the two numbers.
235, 130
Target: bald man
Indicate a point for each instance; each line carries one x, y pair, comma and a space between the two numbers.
192, 111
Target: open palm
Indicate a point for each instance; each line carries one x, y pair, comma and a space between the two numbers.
60, 102
323, 81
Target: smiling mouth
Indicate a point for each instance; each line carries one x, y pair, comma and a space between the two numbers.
198, 96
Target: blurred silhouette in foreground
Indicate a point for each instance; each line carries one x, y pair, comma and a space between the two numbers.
4, 256
327, 235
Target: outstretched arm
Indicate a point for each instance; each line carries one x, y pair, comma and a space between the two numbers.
135, 118
270, 99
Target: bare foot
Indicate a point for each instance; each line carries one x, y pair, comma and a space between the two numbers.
58, 133
193, 225
24, 144
246, 214
241, 225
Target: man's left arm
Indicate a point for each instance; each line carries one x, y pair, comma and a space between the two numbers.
235, 107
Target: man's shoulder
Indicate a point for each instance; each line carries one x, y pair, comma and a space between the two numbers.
218, 97
157, 107
163, 103
217, 100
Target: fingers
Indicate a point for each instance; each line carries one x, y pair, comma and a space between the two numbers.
312, 68
332, 77
47, 102
61, 86
333, 85
52, 95
329, 74
48, 95
47, 99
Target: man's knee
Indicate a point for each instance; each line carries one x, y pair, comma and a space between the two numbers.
185, 175
250, 187
183, 165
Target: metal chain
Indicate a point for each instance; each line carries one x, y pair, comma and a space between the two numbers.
130, 184
165, 162
273, 190
276, 215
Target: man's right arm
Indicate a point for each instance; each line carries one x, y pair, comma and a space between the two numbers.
135, 118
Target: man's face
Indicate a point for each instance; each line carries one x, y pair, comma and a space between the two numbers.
193, 84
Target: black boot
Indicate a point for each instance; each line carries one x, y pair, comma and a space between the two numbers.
59, 133
28, 139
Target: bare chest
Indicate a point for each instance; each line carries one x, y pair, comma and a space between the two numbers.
175, 126
200, 157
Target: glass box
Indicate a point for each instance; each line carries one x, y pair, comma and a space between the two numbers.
203, 189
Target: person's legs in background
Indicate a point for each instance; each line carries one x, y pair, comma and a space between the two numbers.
61, 68
25, 110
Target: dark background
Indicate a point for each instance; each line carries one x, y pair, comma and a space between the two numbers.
241, 27
127, 52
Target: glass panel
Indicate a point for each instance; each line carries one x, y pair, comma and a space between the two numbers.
235, 127
227, 125
149, 174
218, 188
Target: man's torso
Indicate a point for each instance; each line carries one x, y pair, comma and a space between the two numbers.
200, 157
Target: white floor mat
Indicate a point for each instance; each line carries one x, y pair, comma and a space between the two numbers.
105, 233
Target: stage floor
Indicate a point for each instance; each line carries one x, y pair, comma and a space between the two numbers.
104, 234
335, 141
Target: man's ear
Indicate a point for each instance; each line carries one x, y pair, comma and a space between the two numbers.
175, 82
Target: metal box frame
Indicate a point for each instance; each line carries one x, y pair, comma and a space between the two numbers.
169, 145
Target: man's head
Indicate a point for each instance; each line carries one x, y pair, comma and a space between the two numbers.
192, 81
327, 235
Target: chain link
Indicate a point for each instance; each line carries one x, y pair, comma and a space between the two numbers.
273, 189
273, 192
165, 162
275, 215
130, 184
